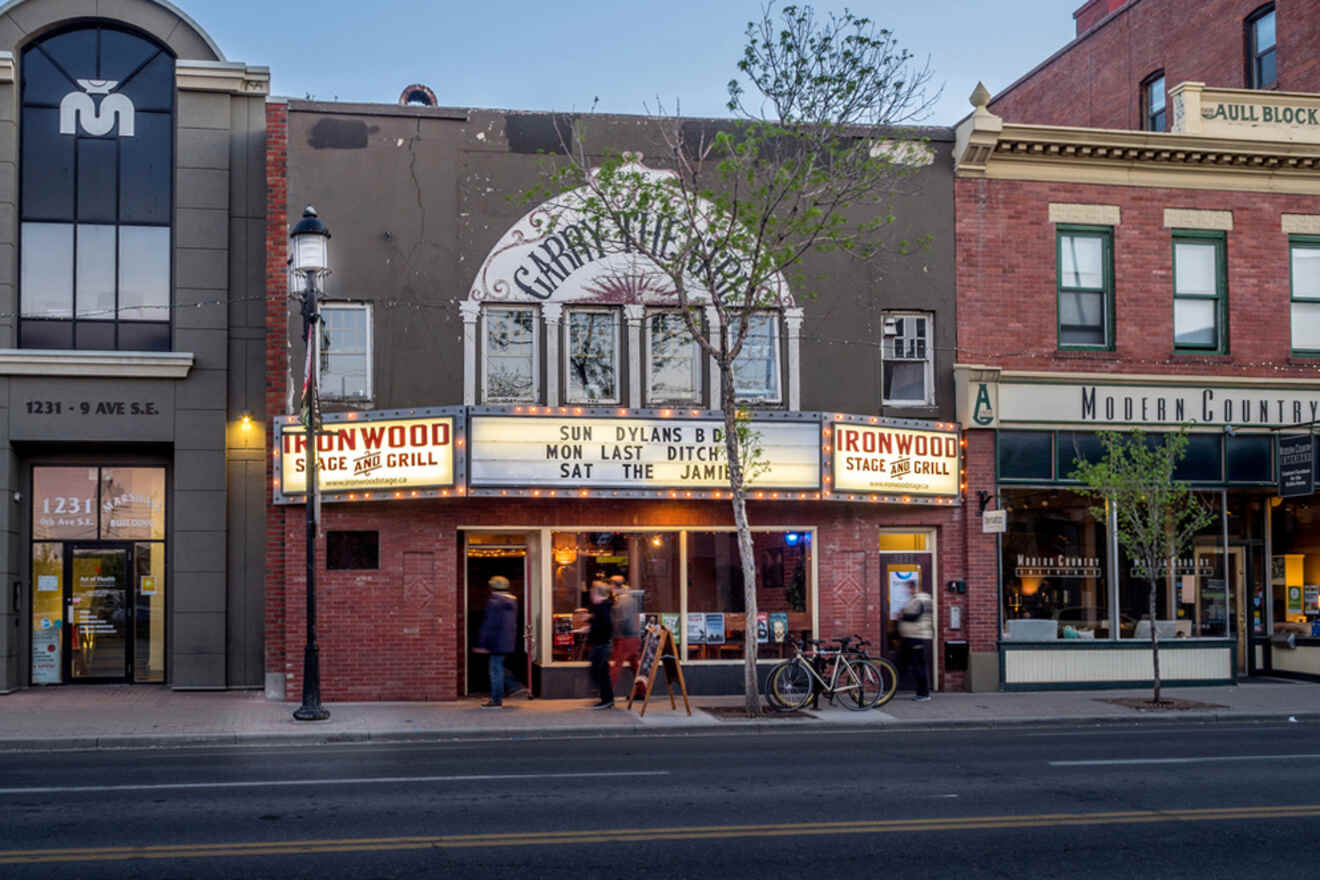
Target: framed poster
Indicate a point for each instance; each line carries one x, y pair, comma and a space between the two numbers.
696, 628
669, 620
778, 626
762, 627
898, 590
715, 628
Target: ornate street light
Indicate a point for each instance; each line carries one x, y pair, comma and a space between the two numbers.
310, 261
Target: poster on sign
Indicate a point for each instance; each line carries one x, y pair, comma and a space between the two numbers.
899, 581
895, 460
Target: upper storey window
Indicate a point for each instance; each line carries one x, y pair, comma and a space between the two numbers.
1085, 287
1152, 103
1261, 69
96, 199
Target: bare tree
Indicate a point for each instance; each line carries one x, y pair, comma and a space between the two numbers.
1156, 515
809, 165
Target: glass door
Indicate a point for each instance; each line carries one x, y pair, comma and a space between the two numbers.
100, 612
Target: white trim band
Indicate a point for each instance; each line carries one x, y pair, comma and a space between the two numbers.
95, 364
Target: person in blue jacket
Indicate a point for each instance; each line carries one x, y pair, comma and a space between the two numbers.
498, 632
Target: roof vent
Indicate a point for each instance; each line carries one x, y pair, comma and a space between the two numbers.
417, 95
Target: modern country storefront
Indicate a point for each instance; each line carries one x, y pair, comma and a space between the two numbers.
849, 511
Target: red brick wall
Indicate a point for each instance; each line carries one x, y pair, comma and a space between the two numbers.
1095, 81
389, 634
277, 288
1007, 310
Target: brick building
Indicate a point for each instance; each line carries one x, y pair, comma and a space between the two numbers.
1127, 55
455, 321
1111, 277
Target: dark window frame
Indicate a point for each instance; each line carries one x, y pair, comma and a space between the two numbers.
1253, 55
1106, 289
1149, 121
126, 334
343, 553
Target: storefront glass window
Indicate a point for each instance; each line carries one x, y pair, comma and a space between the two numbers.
1026, 455
132, 503
1191, 602
1294, 592
1054, 567
716, 626
64, 503
647, 561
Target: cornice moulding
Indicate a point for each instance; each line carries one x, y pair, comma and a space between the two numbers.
95, 364
229, 77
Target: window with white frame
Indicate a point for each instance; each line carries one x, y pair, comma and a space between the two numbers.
908, 369
756, 369
591, 357
510, 355
1305, 254
673, 360
345, 363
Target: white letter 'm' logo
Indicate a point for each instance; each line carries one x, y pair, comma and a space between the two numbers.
78, 107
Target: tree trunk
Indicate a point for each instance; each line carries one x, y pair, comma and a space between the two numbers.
1154, 640
746, 553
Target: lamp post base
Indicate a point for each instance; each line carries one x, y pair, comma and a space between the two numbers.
311, 713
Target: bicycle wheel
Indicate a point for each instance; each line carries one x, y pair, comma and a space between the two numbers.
881, 681
792, 685
855, 683
771, 698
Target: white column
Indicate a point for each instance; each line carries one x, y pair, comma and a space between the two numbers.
713, 331
552, 312
793, 327
633, 314
470, 311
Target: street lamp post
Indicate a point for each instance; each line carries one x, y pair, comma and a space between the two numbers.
310, 260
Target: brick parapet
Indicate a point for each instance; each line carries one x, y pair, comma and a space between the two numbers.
277, 119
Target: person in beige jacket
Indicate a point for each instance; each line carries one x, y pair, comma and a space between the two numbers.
916, 628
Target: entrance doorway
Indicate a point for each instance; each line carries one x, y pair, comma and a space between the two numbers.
98, 574
1221, 598
98, 613
905, 563
488, 555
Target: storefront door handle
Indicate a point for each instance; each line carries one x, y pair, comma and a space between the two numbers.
68, 614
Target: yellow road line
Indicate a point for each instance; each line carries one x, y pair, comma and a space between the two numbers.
636, 835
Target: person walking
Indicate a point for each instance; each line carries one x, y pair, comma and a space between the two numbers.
916, 629
600, 632
627, 647
497, 636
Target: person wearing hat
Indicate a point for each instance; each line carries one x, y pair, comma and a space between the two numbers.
497, 636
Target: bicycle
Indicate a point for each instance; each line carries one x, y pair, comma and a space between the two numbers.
860, 682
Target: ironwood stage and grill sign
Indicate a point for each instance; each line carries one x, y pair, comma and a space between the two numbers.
886, 459
357, 455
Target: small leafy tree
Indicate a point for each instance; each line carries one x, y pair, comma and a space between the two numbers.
736, 205
1157, 516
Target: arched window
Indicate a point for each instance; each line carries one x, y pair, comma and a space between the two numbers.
1262, 72
96, 194
1153, 117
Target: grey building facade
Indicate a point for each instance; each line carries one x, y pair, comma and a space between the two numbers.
132, 338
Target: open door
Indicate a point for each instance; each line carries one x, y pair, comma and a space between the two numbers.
488, 555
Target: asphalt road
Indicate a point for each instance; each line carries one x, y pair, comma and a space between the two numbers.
1155, 801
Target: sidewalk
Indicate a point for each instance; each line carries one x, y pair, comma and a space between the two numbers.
121, 716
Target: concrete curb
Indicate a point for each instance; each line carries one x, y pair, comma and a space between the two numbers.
696, 728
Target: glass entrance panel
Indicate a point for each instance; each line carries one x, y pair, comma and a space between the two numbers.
99, 596
149, 613
48, 613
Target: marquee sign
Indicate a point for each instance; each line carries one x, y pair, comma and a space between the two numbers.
892, 459
571, 452
375, 454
